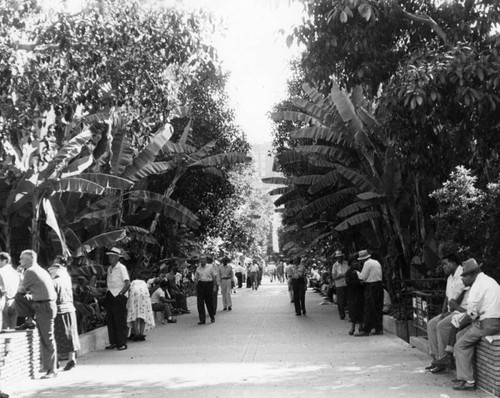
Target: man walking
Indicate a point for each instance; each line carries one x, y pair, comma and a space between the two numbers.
9, 283
371, 275
339, 269
115, 301
204, 278
239, 274
483, 309
297, 274
38, 282
226, 279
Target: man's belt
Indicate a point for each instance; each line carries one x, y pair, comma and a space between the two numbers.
226, 277
42, 301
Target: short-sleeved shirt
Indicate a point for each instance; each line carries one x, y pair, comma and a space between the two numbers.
156, 297
9, 280
297, 271
38, 282
205, 274
339, 268
484, 298
226, 272
117, 276
64, 290
372, 271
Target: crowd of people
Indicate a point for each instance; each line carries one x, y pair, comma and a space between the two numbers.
44, 299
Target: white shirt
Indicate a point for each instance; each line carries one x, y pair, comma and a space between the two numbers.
454, 284
484, 298
157, 295
9, 280
372, 271
116, 278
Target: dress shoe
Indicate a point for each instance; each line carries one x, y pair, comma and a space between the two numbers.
70, 365
212, 319
49, 375
438, 369
361, 334
110, 347
122, 347
185, 311
201, 323
465, 386
230, 308
298, 314
141, 337
304, 312
432, 365
26, 326
224, 309
172, 320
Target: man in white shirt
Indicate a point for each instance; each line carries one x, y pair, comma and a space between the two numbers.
483, 308
9, 283
371, 275
339, 269
440, 327
115, 302
161, 303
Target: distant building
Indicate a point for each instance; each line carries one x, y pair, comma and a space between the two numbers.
263, 163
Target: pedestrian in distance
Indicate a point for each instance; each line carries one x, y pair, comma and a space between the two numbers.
254, 275
298, 278
371, 276
204, 278
65, 324
339, 269
115, 302
226, 276
42, 306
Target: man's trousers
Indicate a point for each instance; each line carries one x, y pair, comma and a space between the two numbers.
205, 297
116, 318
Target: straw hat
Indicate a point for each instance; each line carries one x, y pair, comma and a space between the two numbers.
470, 266
114, 252
338, 253
363, 255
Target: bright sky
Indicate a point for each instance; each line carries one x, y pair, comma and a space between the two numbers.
256, 55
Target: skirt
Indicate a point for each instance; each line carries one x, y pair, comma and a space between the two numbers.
66, 333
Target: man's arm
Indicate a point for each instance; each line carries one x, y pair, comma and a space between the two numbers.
126, 287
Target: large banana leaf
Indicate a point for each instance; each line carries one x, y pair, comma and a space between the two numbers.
335, 136
107, 181
97, 216
78, 166
172, 147
107, 202
275, 180
314, 94
291, 116
327, 180
51, 220
370, 195
330, 152
345, 107
305, 180
220, 159
288, 196
186, 137
354, 208
169, 208
154, 168
140, 234
327, 201
73, 184
279, 191
356, 220
149, 153
203, 152
214, 171
68, 151
73, 242
356, 178
289, 157
122, 152
322, 113
103, 240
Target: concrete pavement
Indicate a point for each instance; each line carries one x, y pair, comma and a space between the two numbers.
260, 349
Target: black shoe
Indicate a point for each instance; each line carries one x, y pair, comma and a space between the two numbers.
224, 309
298, 314
121, 347
141, 337
438, 369
201, 323
465, 386
26, 326
49, 375
185, 311
230, 308
110, 347
304, 312
361, 334
70, 365
212, 319
172, 320
132, 337
377, 332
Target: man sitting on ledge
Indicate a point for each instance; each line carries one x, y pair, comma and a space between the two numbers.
483, 309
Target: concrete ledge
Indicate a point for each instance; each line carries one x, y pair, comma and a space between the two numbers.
402, 329
94, 340
420, 343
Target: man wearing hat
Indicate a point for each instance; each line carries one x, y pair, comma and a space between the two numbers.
115, 302
483, 309
371, 276
338, 276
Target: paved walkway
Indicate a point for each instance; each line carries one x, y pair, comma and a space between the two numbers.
260, 349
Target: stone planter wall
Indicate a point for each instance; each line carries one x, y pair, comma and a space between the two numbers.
402, 329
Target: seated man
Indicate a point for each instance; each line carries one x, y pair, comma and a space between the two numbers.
440, 327
175, 291
161, 303
483, 309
